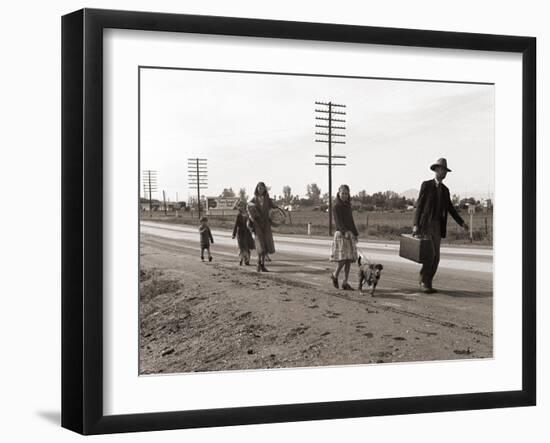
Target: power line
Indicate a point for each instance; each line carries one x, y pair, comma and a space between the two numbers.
327, 137
149, 186
197, 175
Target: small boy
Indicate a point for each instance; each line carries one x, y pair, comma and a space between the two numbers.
206, 238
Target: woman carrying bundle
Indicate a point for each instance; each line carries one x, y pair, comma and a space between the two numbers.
258, 211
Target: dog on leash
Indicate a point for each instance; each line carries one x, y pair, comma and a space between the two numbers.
369, 273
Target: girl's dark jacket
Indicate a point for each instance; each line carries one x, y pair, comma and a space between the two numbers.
343, 217
242, 232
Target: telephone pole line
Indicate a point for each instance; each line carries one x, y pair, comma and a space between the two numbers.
330, 118
149, 186
197, 173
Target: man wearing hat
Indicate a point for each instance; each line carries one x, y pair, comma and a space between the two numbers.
430, 219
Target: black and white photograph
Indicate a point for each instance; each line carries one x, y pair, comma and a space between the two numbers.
264, 222
292, 220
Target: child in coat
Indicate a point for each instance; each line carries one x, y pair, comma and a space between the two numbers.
242, 232
206, 238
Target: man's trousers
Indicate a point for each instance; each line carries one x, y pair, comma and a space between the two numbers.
429, 267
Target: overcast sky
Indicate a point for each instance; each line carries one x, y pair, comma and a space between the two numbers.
254, 127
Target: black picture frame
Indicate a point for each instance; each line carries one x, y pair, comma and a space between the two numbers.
82, 217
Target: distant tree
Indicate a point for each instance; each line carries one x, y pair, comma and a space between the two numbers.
287, 194
363, 199
379, 199
242, 195
391, 195
227, 193
465, 202
192, 202
362, 195
394, 201
313, 193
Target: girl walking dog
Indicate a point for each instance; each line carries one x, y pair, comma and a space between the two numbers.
344, 245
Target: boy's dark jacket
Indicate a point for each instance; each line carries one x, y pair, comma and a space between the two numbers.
425, 207
206, 235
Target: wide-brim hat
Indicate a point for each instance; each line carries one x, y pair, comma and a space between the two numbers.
440, 162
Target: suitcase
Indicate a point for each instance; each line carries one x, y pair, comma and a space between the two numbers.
417, 249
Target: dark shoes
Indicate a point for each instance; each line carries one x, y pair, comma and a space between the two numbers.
210, 258
345, 286
261, 268
427, 289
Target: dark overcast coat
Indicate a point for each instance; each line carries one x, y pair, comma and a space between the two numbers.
426, 204
259, 214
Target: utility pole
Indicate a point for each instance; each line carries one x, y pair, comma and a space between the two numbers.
150, 186
325, 114
197, 173
164, 201
471, 211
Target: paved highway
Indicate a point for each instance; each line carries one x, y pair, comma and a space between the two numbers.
456, 318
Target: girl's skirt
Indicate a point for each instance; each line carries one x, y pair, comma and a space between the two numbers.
343, 247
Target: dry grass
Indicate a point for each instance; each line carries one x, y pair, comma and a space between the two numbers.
377, 225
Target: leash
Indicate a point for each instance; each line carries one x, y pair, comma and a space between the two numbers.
364, 255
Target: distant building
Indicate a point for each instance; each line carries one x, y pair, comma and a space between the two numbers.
222, 205
155, 205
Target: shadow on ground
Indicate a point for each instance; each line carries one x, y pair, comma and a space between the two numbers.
404, 294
